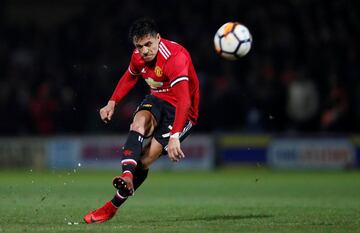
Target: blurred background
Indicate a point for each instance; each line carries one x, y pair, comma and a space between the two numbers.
293, 100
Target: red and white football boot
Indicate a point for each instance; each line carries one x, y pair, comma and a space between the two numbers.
103, 214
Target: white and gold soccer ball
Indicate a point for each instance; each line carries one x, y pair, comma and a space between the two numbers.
232, 40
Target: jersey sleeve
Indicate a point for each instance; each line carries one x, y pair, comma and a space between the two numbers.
181, 92
178, 73
125, 84
178, 68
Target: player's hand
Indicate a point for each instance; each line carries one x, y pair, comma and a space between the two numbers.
107, 111
174, 150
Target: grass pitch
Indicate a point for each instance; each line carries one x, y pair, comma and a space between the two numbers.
232, 200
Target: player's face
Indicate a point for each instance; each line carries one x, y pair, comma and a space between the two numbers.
147, 46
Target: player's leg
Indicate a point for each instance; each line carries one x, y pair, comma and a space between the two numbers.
143, 125
152, 151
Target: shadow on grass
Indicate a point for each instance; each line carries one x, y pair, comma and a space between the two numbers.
225, 217
215, 218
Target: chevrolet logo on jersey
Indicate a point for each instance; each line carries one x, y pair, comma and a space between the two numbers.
158, 71
153, 84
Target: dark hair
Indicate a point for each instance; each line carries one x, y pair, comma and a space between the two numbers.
142, 27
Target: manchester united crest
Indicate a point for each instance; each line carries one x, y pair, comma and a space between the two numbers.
158, 71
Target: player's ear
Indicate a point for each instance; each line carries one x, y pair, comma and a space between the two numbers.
158, 36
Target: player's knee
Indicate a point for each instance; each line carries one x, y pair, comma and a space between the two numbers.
137, 127
142, 125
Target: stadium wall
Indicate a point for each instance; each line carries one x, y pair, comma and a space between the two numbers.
203, 152
290, 153
103, 153
23, 153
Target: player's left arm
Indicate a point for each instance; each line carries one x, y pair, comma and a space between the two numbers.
180, 88
181, 91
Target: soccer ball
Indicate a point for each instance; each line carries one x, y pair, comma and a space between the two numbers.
232, 41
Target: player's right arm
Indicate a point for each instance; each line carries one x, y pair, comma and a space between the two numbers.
125, 84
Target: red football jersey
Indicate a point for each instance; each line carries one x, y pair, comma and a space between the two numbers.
173, 64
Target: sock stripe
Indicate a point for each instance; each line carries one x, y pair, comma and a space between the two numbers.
128, 161
119, 196
127, 171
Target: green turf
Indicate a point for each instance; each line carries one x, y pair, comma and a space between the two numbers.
233, 200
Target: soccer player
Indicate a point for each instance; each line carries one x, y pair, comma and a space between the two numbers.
165, 115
